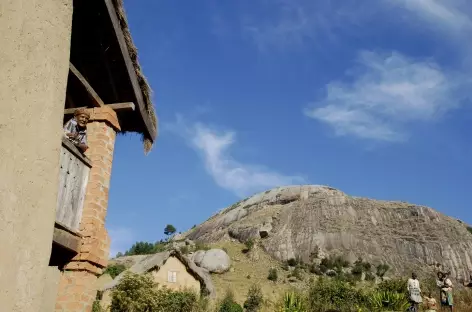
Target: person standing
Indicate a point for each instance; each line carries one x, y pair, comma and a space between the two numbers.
445, 286
414, 291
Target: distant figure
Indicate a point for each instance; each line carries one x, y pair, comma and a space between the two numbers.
415, 292
430, 303
76, 129
445, 286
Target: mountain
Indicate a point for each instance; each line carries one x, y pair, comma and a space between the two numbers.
296, 221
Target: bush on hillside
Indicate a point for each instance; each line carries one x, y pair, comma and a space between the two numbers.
293, 302
396, 285
254, 299
333, 294
388, 301
382, 269
139, 293
228, 304
114, 270
199, 245
273, 276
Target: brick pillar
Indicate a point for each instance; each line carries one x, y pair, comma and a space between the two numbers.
77, 289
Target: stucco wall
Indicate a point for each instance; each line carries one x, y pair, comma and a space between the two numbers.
184, 279
34, 58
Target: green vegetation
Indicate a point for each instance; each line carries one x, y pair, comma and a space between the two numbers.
254, 299
228, 304
96, 306
114, 270
249, 245
169, 230
201, 246
139, 293
140, 248
382, 269
292, 302
273, 276
469, 228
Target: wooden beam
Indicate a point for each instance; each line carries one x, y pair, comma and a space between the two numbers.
118, 107
96, 100
130, 69
66, 239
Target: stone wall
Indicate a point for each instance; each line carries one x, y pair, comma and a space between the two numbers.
34, 58
78, 289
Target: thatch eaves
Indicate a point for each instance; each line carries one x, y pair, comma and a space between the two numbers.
143, 84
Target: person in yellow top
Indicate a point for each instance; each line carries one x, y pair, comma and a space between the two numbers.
430, 303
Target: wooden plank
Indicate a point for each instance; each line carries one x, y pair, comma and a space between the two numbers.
66, 239
130, 69
75, 151
115, 106
96, 100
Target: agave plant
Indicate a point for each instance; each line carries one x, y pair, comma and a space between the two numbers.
388, 301
292, 303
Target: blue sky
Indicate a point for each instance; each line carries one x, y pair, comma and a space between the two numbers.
370, 97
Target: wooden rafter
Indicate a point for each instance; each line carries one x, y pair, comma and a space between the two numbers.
96, 100
118, 107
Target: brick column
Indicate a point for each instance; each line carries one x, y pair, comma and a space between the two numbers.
77, 289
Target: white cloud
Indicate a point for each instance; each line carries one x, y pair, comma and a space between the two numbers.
451, 15
121, 239
389, 92
215, 148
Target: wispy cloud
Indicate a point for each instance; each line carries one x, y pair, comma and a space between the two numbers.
121, 239
450, 15
215, 148
388, 92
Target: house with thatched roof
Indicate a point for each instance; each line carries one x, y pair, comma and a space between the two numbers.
169, 269
59, 56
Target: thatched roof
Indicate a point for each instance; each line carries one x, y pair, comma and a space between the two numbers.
145, 88
156, 261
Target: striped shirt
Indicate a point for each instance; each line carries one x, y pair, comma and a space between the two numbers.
72, 127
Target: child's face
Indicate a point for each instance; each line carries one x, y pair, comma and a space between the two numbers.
82, 120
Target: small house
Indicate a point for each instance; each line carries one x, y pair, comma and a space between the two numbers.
169, 269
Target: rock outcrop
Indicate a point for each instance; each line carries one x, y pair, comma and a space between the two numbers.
294, 221
213, 260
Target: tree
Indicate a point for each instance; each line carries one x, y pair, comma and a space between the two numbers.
169, 229
140, 248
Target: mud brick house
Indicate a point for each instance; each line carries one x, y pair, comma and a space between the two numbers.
56, 56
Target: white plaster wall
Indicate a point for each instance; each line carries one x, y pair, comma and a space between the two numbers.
34, 61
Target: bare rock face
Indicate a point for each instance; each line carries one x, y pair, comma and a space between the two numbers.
294, 221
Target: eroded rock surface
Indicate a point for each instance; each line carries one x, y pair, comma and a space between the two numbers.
294, 221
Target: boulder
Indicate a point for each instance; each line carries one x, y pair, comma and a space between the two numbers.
197, 257
215, 261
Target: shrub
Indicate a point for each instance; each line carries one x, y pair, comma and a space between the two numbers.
249, 244
285, 266
254, 299
292, 302
184, 250
139, 293
314, 269
199, 245
369, 276
393, 286
388, 301
96, 307
114, 270
273, 276
292, 262
297, 273
382, 269
228, 304
333, 294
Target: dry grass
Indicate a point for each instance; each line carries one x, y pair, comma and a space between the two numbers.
258, 270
